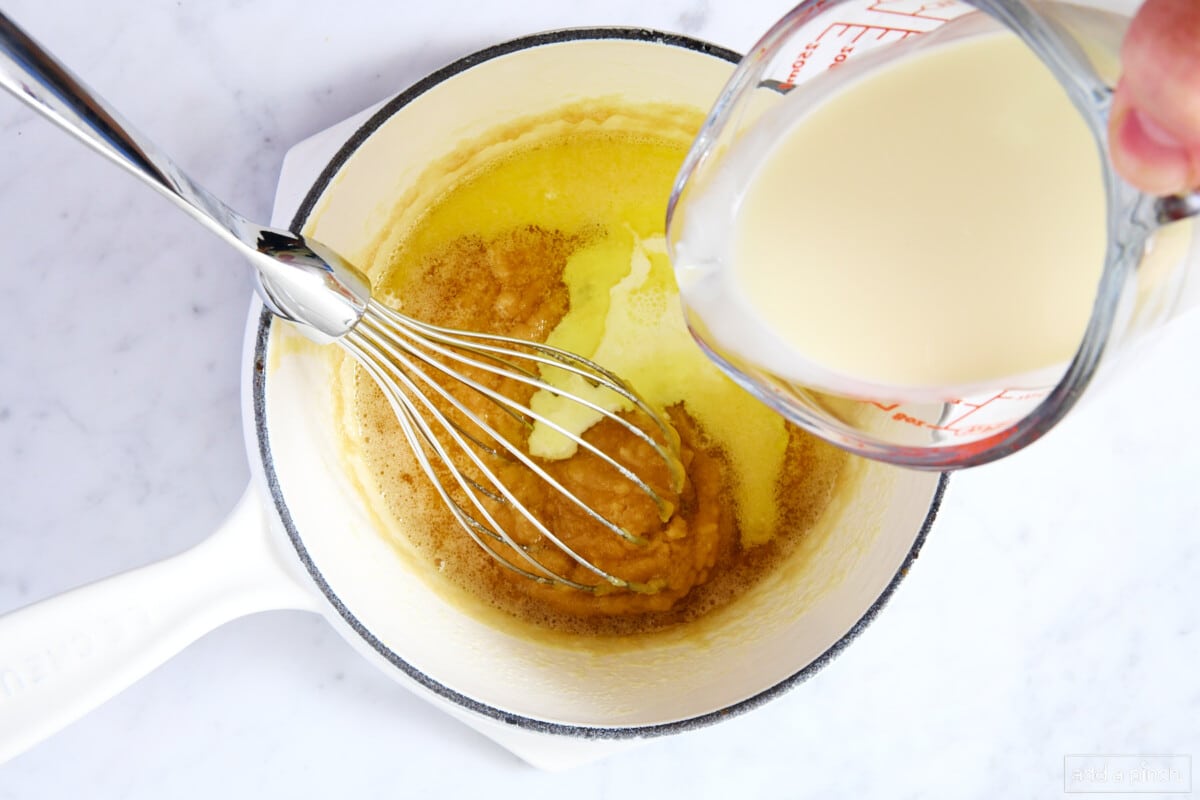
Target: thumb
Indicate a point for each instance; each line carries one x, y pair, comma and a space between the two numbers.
1154, 128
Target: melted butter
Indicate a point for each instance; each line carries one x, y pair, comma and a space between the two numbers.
561, 188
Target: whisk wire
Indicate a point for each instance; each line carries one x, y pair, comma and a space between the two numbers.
417, 348
420, 435
400, 358
419, 335
377, 347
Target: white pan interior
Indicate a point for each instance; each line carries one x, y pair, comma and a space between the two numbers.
778, 632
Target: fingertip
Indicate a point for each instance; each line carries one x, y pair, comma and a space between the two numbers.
1145, 153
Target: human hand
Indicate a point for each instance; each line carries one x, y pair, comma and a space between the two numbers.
1154, 129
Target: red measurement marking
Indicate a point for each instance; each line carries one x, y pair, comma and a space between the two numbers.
987, 427
953, 428
900, 416
975, 407
1025, 394
847, 36
809, 50
914, 8
811, 11
843, 28
956, 425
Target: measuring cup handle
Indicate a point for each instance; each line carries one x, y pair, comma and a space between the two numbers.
64, 656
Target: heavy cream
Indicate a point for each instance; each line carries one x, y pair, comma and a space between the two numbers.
934, 225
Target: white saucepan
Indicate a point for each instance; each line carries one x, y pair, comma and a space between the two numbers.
300, 539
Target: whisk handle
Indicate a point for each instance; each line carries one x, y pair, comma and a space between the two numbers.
299, 279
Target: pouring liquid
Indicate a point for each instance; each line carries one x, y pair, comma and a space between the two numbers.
932, 229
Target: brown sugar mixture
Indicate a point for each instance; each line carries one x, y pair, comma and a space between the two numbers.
561, 241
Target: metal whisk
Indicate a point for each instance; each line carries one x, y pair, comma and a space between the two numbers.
412, 362
421, 368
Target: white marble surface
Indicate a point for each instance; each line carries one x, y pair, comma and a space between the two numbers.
1054, 610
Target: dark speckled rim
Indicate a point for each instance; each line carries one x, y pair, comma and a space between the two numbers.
259, 382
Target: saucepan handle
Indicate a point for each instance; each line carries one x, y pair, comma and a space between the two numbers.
64, 656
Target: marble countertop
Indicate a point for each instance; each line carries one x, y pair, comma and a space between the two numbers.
1053, 611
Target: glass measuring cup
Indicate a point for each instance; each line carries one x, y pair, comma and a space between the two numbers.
822, 47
